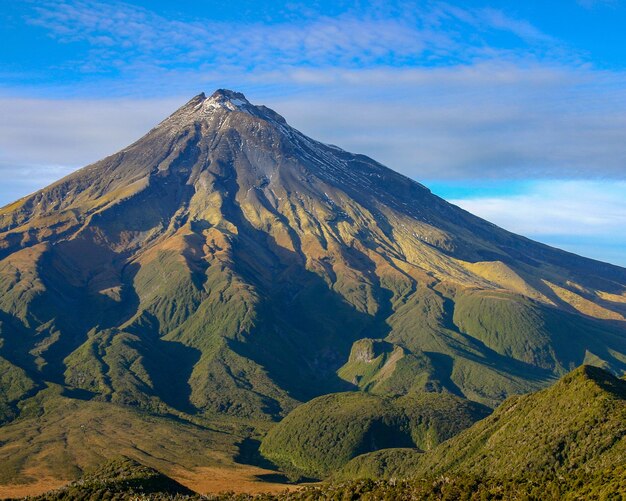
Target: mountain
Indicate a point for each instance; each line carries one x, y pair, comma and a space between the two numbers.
577, 425
226, 268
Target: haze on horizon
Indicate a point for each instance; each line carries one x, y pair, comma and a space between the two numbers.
516, 113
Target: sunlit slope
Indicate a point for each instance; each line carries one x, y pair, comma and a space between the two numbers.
60, 435
227, 264
577, 425
120, 478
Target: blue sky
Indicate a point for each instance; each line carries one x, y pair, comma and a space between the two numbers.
513, 110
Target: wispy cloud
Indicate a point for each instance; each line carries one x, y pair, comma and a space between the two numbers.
523, 29
56, 130
124, 37
120, 34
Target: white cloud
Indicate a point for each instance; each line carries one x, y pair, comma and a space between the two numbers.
474, 121
557, 208
586, 217
35, 132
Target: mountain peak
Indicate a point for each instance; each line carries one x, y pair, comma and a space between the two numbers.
228, 99
227, 94
222, 98
598, 377
201, 107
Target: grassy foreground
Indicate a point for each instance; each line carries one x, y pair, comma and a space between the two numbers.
137, 482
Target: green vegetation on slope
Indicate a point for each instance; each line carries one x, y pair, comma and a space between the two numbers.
14, 386
537, 335
120, 478
577, 424
319, 437
609, 484
382, 464
565, 442
383, 368
59, 436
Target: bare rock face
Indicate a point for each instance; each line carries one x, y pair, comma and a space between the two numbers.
227, 263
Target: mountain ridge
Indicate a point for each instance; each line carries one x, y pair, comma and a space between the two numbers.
576, 425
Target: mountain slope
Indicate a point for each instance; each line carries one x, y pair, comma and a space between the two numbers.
227, 264
122, 478
577, 425
319, 437
61, 436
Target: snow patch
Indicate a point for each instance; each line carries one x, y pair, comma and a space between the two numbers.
238, 102
225, 103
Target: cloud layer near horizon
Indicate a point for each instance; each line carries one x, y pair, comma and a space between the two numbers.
482, 121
